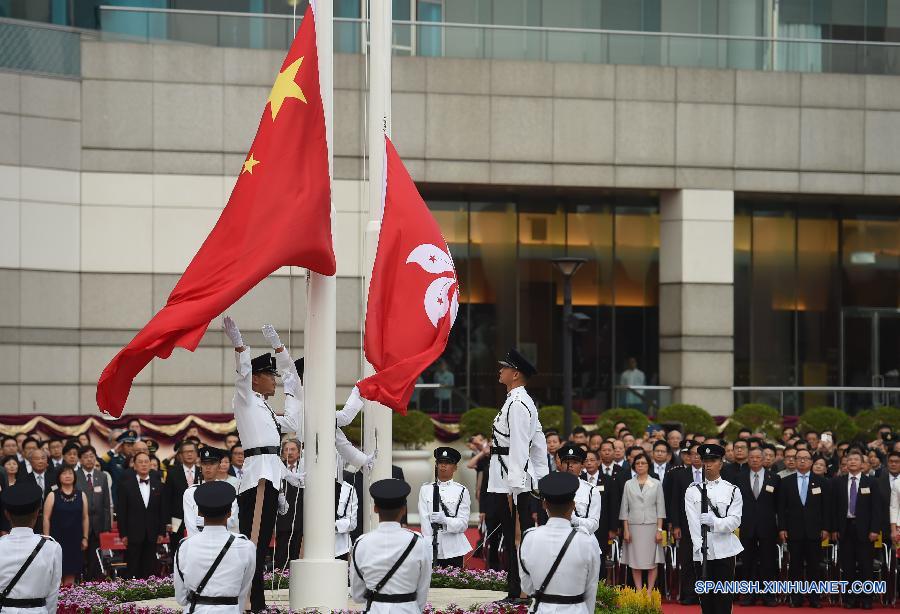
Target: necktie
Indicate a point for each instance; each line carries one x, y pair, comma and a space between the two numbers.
190, 477
803, 489
697, 476
40, 480
608, 471
756, 486
853, 493
147, 481
90, 481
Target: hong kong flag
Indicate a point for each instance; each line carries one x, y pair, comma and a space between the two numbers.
413, 295
279, 214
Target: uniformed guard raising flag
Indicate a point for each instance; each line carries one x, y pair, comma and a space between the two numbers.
723, 517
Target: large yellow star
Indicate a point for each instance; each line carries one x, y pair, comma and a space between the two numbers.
249, 163
285, 87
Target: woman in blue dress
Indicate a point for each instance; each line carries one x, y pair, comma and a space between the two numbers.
66, 521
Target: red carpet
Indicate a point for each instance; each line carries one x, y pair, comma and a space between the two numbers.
674, 608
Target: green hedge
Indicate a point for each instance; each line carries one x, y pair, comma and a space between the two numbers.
477, 420
756, 417
692, 418
867, 421
636, 421
413, 430
828, 419
552, 417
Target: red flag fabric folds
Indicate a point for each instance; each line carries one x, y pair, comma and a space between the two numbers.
279, 214
413, 295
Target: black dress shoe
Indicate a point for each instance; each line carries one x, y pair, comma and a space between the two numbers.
815, 605
866, 606
689, 601
795, 604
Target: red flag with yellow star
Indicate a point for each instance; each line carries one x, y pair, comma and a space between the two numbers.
279, 214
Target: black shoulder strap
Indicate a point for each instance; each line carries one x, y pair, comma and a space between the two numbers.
540, 592
23, 568
211, 571
390, 572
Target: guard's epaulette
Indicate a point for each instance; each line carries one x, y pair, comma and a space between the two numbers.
419, 535
49, 539
527, 531
241, 536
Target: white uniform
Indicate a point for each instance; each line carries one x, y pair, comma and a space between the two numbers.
895, 503
587, 507
193, 521
40, 580
259, 426
514, 429
373, 556
231, 578
345, 519
538, 459
726, 499
578, 572
456, 504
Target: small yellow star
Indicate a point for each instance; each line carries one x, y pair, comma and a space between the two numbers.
285, 87
249, 163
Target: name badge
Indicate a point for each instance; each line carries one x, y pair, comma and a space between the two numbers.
601, 488
98, 489
816, 490
770, 488
864, 491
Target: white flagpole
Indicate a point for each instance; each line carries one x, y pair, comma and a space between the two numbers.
319, 580
377, 418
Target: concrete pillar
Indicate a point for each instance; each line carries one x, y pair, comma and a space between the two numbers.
696, 299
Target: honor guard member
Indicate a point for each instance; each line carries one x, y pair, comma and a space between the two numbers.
588, 499
560, 563
513, 430
210, 458
345, 504
454, 505
30, 564
214, 568
391, 565
723, 517
260, 430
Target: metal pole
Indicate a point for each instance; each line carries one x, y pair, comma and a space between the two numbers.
319, 580
567, 354
377, 419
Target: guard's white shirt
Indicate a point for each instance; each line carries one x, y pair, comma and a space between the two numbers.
538, 459
578, 572
721, 541
193, 521
587, 506
345, 520
514, 427
452, 541
895, 502
373, 556
40, 580
232, 577
256, 423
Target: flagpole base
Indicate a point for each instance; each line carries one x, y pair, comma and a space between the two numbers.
318, 583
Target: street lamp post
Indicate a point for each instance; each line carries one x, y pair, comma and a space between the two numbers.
567, 267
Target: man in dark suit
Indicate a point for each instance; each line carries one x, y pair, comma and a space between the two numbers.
289, 526
180, 476
44, 476
94, 483
856, 523
679, 481
886, 479
732, 471
142, 510
662, 460
609, 515
759, 527
804, 517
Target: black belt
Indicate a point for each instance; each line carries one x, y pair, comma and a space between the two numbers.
383, 598
562, 599
498, 451
9, 602
206, 600
262, 450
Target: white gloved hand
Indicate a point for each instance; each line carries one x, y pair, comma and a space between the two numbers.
354, 401
370, 462
271, 336
437, 518
708, 519
283, 506
233, 332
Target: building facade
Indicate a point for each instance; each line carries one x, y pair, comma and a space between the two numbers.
736, 198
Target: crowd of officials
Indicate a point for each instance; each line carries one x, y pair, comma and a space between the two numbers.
803, 490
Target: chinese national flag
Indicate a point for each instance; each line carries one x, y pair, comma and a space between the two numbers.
413, 295
279, 214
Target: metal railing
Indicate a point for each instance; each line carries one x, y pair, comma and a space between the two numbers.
794, 399
648, 399
40, 48
495, 41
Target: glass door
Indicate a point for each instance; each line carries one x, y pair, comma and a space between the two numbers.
870, 355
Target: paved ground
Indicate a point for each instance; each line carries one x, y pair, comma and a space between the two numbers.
439, 598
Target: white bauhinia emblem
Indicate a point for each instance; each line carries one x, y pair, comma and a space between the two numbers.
437, 297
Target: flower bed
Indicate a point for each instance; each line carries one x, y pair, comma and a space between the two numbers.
115, 596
